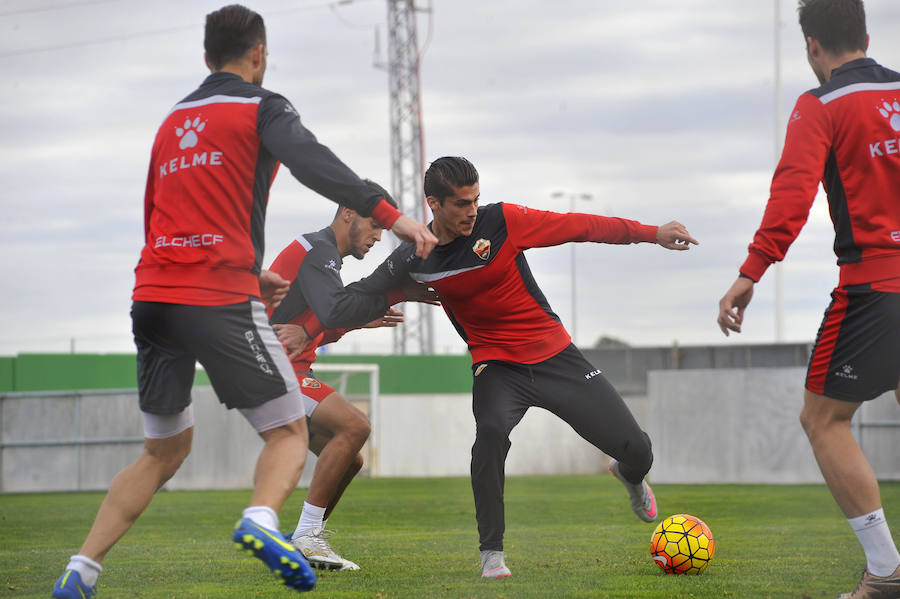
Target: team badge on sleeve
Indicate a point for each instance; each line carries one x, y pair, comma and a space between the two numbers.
482, 248
311, 383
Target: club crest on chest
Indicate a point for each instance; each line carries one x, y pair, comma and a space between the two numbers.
482, 248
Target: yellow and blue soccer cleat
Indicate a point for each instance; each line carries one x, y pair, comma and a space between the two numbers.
288, 565
69, 586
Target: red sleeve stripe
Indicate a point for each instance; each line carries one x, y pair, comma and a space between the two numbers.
385, 214
395, 296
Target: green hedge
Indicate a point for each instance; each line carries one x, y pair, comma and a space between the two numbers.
7, 374
414, 374
69, 372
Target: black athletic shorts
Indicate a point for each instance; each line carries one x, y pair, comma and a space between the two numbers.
245, 362
857, 352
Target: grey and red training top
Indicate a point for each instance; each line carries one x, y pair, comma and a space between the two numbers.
845, 134
317, 299
214, 158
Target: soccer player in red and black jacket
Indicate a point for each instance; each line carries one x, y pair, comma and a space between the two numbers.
318, 310
846, 134
522, 356
198, 288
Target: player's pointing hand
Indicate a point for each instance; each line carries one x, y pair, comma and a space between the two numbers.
409, 230
674, 236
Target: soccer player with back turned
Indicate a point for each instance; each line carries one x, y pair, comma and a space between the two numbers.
318, 310
522, 356
844, 134
199, 287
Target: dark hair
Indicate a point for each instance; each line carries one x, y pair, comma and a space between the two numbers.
839, 25
378, 189
446, 173
230, 32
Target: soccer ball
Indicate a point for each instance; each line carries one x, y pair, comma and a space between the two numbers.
682, 544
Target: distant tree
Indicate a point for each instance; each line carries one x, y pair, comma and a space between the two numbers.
610, 341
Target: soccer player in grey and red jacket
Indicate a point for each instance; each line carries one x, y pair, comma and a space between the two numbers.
198, 288
844, 134
521, 354
318, 310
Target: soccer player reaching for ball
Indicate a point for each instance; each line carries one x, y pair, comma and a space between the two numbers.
198, 289
317, 310
522, 356
844, 134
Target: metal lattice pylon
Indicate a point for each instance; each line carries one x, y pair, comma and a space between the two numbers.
407, 155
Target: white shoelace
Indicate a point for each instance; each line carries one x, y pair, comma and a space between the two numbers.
321, 542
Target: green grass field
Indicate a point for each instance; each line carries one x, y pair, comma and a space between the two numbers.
567, 536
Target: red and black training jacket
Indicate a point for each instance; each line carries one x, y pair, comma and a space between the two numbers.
214, 158
846, 135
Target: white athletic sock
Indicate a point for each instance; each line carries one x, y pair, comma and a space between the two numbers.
262, 515
875, 537
87, 568
311, 517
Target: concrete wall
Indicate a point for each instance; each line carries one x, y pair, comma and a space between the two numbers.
719, 425
627, 367
742, 426
37, 431
416, 436
433, 436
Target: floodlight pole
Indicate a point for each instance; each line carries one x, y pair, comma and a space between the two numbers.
779, 133
407, 154
572, 197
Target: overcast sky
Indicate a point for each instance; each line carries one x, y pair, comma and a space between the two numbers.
659, 110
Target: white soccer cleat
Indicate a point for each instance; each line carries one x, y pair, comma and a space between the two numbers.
643, 503
318, 552
493, 566
348, 565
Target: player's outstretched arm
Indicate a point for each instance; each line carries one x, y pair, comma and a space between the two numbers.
733, 304
674, 236
409, 230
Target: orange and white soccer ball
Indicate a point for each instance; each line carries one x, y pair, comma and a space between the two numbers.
682, 544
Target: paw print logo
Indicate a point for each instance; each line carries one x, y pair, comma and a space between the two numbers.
188, 132
891, 111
